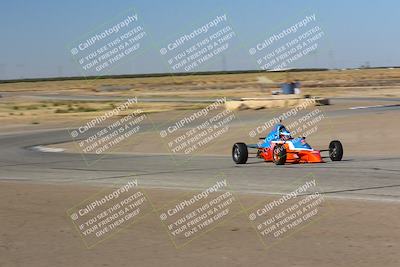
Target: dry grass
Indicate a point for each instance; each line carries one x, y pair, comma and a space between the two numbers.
18, 101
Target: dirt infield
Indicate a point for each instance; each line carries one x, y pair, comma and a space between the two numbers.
36, 231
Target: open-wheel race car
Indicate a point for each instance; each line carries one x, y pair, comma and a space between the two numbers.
280, 147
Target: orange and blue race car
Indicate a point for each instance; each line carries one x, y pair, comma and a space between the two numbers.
280, 147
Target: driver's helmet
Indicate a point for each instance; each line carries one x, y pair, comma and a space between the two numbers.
284, 134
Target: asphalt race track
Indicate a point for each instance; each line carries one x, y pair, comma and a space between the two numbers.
367, 177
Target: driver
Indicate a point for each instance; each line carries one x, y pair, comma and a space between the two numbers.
284, 134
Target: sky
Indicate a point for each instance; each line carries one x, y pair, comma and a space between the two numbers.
37, 36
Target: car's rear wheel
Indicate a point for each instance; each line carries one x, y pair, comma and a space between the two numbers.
240, 153
279, 155
335, 150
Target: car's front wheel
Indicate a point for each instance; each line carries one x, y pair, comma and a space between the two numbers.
279, 155
240, 153
335, 150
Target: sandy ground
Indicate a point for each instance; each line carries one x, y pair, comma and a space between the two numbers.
35, 231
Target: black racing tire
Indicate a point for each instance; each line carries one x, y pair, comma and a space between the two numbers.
279, 155
335, 150
240, 153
